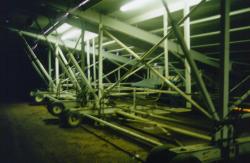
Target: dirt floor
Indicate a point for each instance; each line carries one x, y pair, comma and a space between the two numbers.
28, 133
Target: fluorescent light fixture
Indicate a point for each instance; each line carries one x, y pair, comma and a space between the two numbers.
179, 4
174, 6
63, 28
72, 34
89, 35
134, 5
75, 33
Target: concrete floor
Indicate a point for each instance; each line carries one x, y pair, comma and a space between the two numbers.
28, 133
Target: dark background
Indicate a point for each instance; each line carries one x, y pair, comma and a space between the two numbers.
17, 75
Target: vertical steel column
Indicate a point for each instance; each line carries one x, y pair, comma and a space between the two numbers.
88, 60
119, 78
94, 61
187, 40
119, 75
100, 59
225, 39
226, 132
82, 50
49, 63
57, 68
192, 63
49, 67
165, 32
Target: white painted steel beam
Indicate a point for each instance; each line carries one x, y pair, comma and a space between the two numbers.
71, 45
165, 26
132, 31
187, 40
211, 18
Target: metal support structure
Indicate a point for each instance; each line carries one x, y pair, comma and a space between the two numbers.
188, 82
82, 49
225, 134
193, 66
127, 75
169, 83
62, 61
38, 63
82, 75
66, 64
165, 32
169, 127
50, 65
240, 100
88, 60
118, 128
94, 61
119, 77
239, 83
225, 53
100, 65
57, 68
135, 32
70, 45
130, 62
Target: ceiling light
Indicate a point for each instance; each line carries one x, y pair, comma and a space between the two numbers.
89, 35
134, 5
174, 5
73, 34
63, 28
178, 5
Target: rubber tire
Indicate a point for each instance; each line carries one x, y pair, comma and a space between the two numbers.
185, 158
160, 154
70, 119
39, 98
55, 108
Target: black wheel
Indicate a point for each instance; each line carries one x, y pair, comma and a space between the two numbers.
39, 98
160, 154
55, 108
185, 158
70, 119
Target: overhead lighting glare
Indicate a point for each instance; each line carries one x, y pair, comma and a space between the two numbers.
63, 28
89, 35
178, 5
72, 34
75, 33
134, 5
175, 6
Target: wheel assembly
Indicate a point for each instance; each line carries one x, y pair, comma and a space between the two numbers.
70, 119
55, 108
39, 98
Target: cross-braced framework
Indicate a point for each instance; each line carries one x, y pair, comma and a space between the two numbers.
113, 89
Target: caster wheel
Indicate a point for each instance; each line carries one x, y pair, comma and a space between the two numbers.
56, 108
71, 119
39, 98
160, 154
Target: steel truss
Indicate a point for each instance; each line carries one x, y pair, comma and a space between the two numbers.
79, 93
